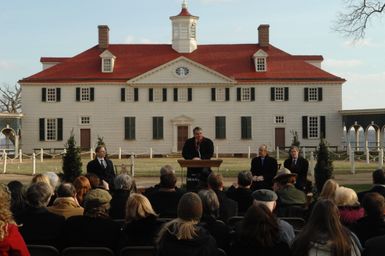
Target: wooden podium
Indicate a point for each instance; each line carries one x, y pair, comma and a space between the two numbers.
198, 164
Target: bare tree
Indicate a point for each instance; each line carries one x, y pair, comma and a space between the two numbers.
355, 20
10, 98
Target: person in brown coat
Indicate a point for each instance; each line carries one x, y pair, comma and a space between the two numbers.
66, 203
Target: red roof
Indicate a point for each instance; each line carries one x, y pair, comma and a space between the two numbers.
232, 60
184, 12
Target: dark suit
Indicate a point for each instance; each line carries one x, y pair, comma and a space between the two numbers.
380, 189
107, 174
227, 207
267, 169
300, 168
202, 150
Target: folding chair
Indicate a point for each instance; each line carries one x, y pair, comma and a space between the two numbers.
137, 251
87, 251
42, 250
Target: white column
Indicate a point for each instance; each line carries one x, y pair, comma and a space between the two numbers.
150, 153
120, 153
249, 153
33, 163
41, 155
175, 138
352, 162
132, 158
381, 158
20, 156
367, 155
16, 145
217, 151
5, 155
91, 154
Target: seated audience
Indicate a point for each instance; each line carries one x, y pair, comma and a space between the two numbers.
164, 197
373, 224
269, 199
183, 235
38, 225
17, 197
82, 186
218, 229
11, 242
227, 207
324, 235
124, 185
259, 234
350, 210
241, 192
53, 182
374, 246
94, 228
65, 203
142, 224
329, 190
164, 170
287, 193
378, 177
96, 182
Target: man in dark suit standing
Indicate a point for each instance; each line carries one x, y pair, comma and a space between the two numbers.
378, 177
263, 168
197, 148
299, 165
102, 167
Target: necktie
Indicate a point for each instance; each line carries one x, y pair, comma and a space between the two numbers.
102, 163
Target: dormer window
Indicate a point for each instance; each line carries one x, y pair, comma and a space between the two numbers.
260, 61
108, 61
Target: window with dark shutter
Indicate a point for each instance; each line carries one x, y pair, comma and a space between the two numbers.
60, 129
175, 94
164, 93
252, 94
77, 93
157, 127
136, 94
246, 127
238, 94
213, 94
92, 94
227, 94
122, 94
44, 94
319, 93
272, 93
323, 126
189, 94
304, 127
58, 94
41, 129
286, 93
150, 94
129, 128
220, 127
306, 94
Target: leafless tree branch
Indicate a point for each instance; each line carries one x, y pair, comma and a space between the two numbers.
354, 21
10, 98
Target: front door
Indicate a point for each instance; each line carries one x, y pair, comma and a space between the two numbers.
279, 137
182, 136
85, 139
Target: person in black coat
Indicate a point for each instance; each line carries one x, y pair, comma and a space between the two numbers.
197, 148
374, 246
124, 186
102, 167
37, 224
378, 177
263, 168
241, 192
299, 165
227, 207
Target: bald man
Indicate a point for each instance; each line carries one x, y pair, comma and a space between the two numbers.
263, 168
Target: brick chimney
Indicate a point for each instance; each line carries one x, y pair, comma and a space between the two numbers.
103, 36
263, 35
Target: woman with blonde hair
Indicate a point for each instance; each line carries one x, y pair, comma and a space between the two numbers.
11, 242
348, 205
183, 236
329, 190
82, 186
141, 222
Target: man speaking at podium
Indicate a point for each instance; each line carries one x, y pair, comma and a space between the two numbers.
197, 148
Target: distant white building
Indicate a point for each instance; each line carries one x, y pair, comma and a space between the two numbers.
138, 96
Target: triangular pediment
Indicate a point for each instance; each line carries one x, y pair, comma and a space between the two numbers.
182, 119
181, 71
106, 54
260, 53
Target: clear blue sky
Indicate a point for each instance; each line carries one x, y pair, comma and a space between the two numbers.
31, 29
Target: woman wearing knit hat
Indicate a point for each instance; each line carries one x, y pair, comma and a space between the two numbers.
183, 236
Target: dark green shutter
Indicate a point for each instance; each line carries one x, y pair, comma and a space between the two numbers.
323, 127
227, 94
319, 93
306, 94
272, 93
220, 127
304, 127
252, 94
246, 127
150, 94
189, 94
122, 94
58, 94
41, 129
129, 128
60, 129
175, 94
77, 93
136, 94
213, 90
238, 94
44, 94
164, 92
92, 94
286, 93
157, 127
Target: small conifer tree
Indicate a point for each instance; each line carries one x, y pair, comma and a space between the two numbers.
324, 167
72, 162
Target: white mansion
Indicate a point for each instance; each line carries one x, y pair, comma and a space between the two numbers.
138, 96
